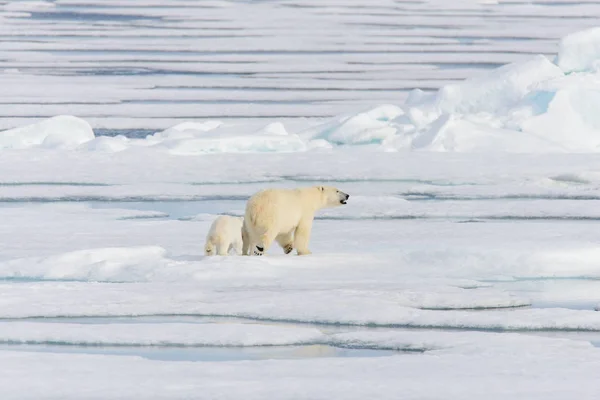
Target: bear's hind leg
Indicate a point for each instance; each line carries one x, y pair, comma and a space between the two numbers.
286, 241
264, 242
245, 242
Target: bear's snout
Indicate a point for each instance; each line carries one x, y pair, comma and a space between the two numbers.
344, 198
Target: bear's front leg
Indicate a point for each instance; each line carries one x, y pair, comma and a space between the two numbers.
302, 237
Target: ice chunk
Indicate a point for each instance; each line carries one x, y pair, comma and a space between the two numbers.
572, 119
498, 90
216, 137
123, 264
451, 134
63, 131
471, 115
417, 96
107, 144
276, 128
362, 128
239, 144
319, 144
580, 51
187, 130
385, 112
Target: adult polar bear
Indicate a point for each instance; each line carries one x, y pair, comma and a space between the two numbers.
286, 216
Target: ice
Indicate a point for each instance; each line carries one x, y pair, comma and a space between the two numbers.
150, 334
580, 51
384, 308
187, 130
197, 138
393, 207
252, 334
496, 91
93, 264
401, 285
570, 119
219, 139
523, 107
529, 106
60, 132
107, 144
319, 60
453, 134
27, 5
369, 127
529, 364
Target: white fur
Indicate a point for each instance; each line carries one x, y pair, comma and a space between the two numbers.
286, 216
225, 234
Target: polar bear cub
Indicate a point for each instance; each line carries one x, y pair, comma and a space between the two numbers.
286, 216
225, 234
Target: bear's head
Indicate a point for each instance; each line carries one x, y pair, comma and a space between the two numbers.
332, 197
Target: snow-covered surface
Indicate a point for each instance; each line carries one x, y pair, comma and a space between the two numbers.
465, 265
430, 247
491, 366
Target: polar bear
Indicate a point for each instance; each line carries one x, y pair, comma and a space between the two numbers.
286, 216
225, 233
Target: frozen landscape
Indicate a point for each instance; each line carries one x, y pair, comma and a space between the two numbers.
466, 264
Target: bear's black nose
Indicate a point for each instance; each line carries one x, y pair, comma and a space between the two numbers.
347, 196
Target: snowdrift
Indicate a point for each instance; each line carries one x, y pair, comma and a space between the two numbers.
537, 105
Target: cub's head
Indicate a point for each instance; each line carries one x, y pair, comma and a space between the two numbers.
332, 197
